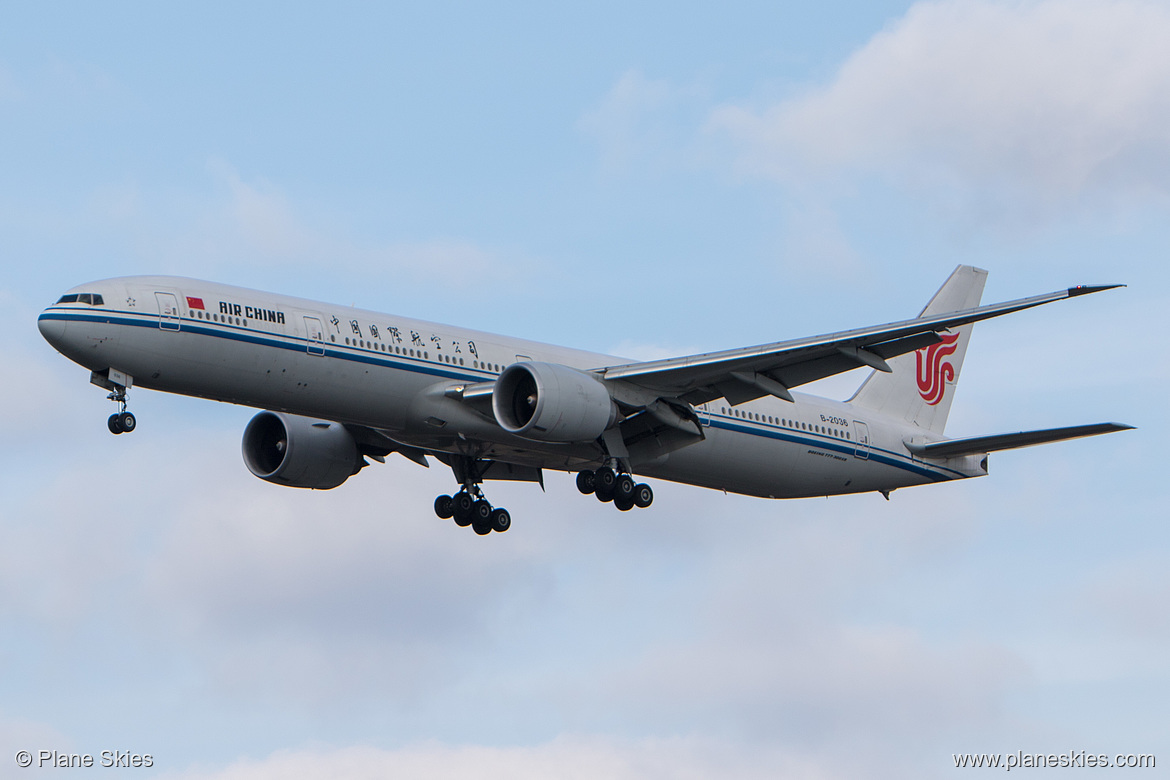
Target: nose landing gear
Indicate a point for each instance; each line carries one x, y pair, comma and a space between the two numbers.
122, 421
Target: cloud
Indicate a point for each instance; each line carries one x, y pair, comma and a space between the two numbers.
638, 121
1129, 595
60, 84
41, 392
565, 758
265, 219
812, 684
789, 639
1034, 105
249, 224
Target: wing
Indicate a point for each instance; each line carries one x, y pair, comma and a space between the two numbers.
741, 375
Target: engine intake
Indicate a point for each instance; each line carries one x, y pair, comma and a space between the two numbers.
300, 451
551, 402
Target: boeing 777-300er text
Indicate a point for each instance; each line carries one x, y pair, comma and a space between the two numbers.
338, 385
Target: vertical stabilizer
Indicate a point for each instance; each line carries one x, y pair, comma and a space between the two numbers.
922, 384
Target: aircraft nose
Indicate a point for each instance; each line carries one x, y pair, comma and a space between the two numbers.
52, 328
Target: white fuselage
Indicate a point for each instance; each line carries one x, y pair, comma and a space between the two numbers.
391, 373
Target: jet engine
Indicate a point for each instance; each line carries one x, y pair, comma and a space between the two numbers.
300, 451
551, 402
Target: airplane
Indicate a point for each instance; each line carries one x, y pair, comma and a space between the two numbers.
338, 385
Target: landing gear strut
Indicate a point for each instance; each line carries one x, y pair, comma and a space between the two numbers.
621, 489
469, 507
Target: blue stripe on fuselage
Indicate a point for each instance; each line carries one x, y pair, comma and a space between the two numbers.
301, 345
885, 457
248, 336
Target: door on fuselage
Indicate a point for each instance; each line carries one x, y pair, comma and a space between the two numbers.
314, 336
861, 448
703, 412
168, 310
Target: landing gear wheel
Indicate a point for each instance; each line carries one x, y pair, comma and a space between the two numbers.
624, 504
585, 481
127, 422
604, 481
643, 496
482, 524
501, 521
623, 488
461, 504
444, 507
115, 424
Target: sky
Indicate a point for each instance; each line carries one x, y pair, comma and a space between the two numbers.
644, 180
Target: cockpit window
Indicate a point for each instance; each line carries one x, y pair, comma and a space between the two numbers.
93, 299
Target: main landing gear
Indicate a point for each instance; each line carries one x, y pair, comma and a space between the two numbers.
621, 489
472, 509
468, 506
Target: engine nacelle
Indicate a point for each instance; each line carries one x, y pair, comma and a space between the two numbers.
300, 451
551, 402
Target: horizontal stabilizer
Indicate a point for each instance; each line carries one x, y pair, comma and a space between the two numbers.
1010, 441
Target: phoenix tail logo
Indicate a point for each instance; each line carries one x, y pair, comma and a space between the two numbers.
934, 371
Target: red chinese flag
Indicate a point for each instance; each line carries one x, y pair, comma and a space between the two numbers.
194, 303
